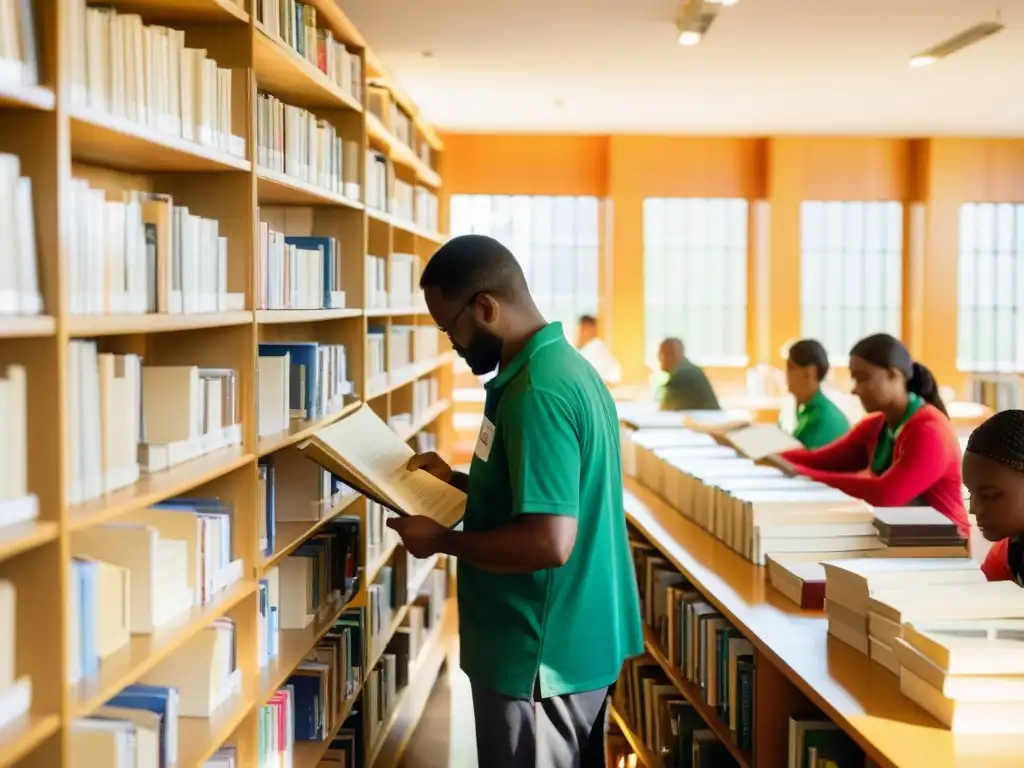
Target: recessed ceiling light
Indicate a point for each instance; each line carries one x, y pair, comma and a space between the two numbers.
428, 54
688, 37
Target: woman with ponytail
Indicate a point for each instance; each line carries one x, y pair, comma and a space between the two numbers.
904, 452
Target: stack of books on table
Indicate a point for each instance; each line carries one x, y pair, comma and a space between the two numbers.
889, 609
918, 532
968, 674
851, 584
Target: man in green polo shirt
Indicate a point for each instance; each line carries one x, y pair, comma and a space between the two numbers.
687, 388
548, 606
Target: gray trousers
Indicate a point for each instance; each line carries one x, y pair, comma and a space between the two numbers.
557, 732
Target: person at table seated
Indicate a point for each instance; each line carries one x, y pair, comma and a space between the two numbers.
904, 452
819, 421
687, 388
593, 349
994, 475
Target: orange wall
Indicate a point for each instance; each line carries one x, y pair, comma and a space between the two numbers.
780, 172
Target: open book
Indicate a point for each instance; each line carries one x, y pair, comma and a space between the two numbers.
364, 452
761, 440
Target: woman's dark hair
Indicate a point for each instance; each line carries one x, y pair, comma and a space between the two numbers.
810, 352
1001, 439
886, 351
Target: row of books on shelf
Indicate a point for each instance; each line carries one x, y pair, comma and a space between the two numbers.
137, 252
398, 347
18, 53
391, 114
406, 202
698, 681
17, 505
425, 396
146, 74
296, 25
299, 380
19, 276
759, 510
298, 272
125, 418
294, 141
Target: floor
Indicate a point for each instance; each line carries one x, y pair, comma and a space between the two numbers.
444, 737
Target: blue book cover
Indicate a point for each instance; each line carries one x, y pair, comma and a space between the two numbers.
307, 707
85, 573
266, 466
326, 247
161, 701
303, 375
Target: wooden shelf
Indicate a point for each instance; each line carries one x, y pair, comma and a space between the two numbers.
15, 539
21, 96
285, 316
289, 536
646, 757
151, 489
24, 326
276, 188
300, 430
183, 11
111, 141
693, 695
295, 644
25, 734
58, 137
143, 652
199, 738
399, 152
87, 326
434, 412
860, 696
282, 71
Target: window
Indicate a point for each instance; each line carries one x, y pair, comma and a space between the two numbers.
991, 288
555, 240
851, 272
695, 277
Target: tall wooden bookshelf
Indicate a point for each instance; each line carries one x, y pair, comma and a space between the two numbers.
57, 140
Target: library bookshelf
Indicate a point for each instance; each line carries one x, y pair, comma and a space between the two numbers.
60, 135
798, 671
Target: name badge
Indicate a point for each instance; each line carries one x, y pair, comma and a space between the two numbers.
483, 442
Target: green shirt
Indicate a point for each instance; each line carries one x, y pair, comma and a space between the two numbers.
554, 450
882, 459
819, 421
688, 389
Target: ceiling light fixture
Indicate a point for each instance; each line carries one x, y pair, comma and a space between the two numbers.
957, 42
694, 19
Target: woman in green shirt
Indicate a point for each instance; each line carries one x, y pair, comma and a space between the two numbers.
819, 420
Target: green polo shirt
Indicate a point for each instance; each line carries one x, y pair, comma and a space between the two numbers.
819, 422
554, 451
882, 458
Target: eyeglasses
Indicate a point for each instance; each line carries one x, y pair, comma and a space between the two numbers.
455, 320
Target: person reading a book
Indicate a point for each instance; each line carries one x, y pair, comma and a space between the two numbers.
905, 451
596, 352
687, 388
548, 604
994, 476
819, 421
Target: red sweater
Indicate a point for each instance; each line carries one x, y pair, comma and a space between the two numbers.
925, 465
997, 562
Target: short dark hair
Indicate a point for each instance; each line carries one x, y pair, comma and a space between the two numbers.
588, 320
471, 264
810, 352
1001, 439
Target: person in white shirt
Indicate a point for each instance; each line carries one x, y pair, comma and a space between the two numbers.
595, 351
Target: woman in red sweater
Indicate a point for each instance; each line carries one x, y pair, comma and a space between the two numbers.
904, 452
994, 474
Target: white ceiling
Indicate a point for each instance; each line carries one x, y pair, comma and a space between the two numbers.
767, 66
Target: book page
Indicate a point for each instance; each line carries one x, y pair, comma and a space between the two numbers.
364, 452
761, 440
